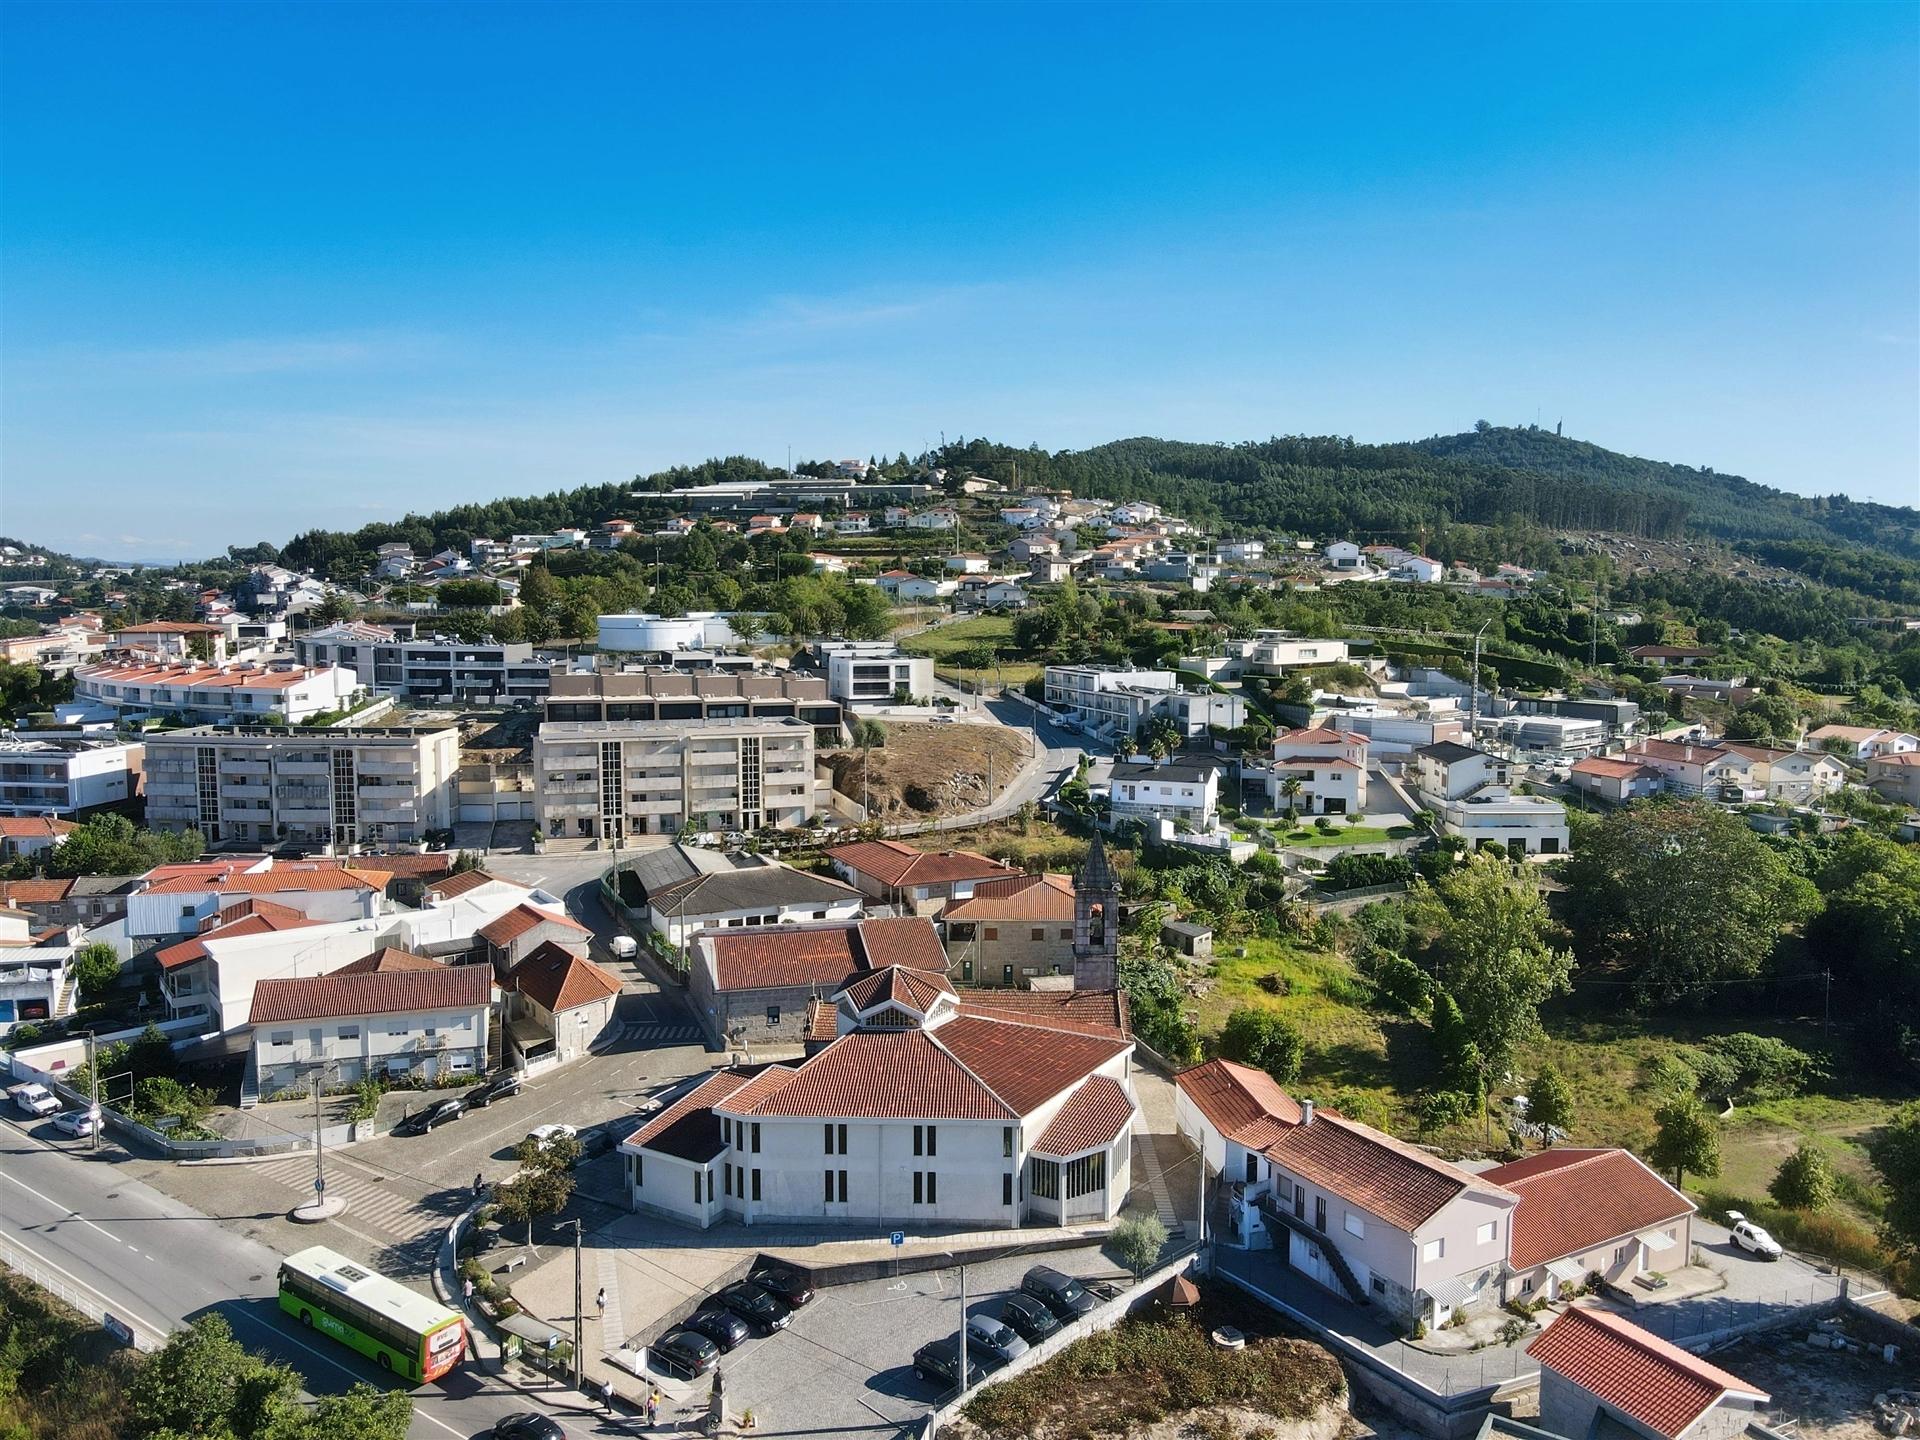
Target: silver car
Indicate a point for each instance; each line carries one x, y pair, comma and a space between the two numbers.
993, 1340
78, 1123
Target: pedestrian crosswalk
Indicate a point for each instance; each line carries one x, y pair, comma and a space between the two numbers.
647, 1032
371, 1203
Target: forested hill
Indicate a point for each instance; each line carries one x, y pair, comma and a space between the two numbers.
1723, 505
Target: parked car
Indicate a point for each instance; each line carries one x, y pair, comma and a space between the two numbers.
436, 1114
78, 1123
503, 1086
784, 1283
624, 947
1065, 1296
755, 1306
938, 1362
528, 1426
1031, 1321
994, 1340
1753, 1238
34, 1099
685, 1354
544, 1133
723, 1327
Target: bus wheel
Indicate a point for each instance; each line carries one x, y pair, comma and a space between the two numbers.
386, 1361
306, 1318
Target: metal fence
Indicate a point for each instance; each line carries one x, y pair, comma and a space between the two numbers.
77, 1294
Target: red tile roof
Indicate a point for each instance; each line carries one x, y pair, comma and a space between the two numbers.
1025, 1064
389, 959
240, 909
34, 892
1022, 897
372, 992
917, 989
688, 1129
885, 1075
785, 956
34, 827
560, 980
897, 865
1403, 1185
279, 878
908, 940
1658, 1384
1244, 1104
1093, 1012
202, 677
434, 862
465, 881
823, 1022
1612, 769
1574, 1200
522, 918
1093, 1116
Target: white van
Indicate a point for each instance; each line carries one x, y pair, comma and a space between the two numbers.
35, 1099
625, 947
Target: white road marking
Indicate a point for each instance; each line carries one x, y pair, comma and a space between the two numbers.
161, 1331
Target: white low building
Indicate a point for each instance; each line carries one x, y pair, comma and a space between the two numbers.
753, 892
1183, 791
1120, 702
230, 694
36, 977
916, 1106
873, 672
66, 776
1533, 824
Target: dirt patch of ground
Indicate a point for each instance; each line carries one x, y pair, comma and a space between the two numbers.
1827, 1394
927, 769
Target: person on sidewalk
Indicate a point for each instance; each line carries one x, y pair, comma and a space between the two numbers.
479, 1184
600, 1305
653, 1407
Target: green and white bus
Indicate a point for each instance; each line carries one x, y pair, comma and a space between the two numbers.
401, 1329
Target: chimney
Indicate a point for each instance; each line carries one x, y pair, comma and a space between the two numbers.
1306, 1112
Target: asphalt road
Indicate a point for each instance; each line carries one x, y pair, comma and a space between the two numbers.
161, 1265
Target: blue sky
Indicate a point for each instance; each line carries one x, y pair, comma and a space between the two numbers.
273, 267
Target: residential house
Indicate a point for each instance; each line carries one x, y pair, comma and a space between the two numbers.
176, 641
558, 1004
967, 564
1419, 570
1386, 557
920, 882
1027, 548
1863, 742
1700, 687
1049, 569
751, 891
1353, 1209
177, 900
436, 667
1896, 777
1331, 766
1344, 555
860, 524
22, 836
1795, 776
978, 592
1691, 768
872, 672
1009, 932
88, 900
1589, 1212
517, 933
392, 1014
933, 520
921, 1107
36, 976
1615, 781
1665, 657
1469, 791
1185, 791
1449, 770
752, 987
1241, 552
1600, 1374
1120, 703
903, 586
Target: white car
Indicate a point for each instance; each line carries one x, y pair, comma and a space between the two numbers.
78, 1123
544, 1133
35, 1099
1752, 1238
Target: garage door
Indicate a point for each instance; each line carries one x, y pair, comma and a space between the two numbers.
476, 812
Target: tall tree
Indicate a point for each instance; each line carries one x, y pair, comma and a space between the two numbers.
1491, 945
1680, 895
1688, 1140
1258, 1036
1550, 1103
1896, 1155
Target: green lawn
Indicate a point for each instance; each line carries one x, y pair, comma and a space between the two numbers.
993, 631
1306, 837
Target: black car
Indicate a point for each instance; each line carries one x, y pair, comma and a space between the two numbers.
528, 1426
784, 1283
939, 1361
1028, 1318
502, 1086
421, 1121
755, 1306
1065, 1296
685, 1354
723, 1327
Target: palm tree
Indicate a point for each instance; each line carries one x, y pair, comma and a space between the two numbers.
1290, 787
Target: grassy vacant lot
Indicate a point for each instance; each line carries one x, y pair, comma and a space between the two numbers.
994, 631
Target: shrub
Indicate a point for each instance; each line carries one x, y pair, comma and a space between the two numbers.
1256, 1036
1804, 1180
1354, 872
1401, 985
1137, 1240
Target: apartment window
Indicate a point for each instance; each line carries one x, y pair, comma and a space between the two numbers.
1006, 1188
756, 1184
1066, 932
1036, 934
1526, 1286
836, 1139
992, 932
1620, 1254
836, 1184
926, 1187
828, 1197
931, 1140
634, 1161
1253, 1167
349, 1032
1378, 1285
726, 1131
1433, 1250
726, 1181
283, 1037
773, 1014
1484, 1235
696, 1186
1356, 1226
1006, 1141
756, 1137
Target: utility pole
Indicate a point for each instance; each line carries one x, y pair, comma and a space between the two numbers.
963, 1327
319, 1159
1473, 700
578, 1306
93, 1113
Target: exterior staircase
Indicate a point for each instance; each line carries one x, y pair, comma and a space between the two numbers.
249, 1084
1279, 1215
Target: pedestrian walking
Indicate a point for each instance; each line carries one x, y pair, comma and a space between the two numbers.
467, 1289
653, 1408
606, 1395
600, 1303
479, 1184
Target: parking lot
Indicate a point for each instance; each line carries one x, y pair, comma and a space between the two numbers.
845, 1363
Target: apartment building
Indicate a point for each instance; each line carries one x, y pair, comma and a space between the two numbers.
66, 776
1121, 702
872, 672
437, 667
661, 693
277, 785
612, 778
227, 694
